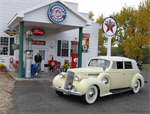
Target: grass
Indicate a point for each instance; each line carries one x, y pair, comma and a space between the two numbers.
147, 66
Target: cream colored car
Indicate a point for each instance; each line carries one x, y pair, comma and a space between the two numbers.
103, 76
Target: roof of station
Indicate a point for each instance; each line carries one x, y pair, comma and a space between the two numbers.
31, 17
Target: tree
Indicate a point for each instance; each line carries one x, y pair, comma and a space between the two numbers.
101, 37
91, 15
134, 30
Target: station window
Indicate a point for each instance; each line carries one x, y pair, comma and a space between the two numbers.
62, 48
5, 45
11, 49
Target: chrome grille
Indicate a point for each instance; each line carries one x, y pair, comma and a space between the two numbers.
69, 80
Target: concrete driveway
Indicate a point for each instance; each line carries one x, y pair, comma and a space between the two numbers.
36, 97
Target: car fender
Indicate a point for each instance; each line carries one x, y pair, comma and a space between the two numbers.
106, 87
102, 75
137, 76
58, 81
83, 86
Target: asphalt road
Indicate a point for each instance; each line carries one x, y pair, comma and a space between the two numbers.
35, 97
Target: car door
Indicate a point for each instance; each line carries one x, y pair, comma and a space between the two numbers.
129, 73
117, 75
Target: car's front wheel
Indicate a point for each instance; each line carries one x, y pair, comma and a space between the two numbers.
91, 95
137, 86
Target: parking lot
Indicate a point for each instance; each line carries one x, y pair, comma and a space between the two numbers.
37, 97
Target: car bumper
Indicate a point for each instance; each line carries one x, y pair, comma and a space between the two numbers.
68, 92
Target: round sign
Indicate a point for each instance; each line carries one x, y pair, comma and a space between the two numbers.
109, 26
56, 12
75, 60
85, 47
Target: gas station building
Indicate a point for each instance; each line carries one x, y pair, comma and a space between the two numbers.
53, 28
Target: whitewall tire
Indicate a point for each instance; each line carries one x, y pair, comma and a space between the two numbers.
91, 95
137, 86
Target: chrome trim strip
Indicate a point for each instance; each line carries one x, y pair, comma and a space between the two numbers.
68, 92
93, 74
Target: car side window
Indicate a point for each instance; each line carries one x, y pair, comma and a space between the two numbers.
119, 65
114, 66
128, 65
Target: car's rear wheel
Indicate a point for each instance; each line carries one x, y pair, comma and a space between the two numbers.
59, 93
137, 86
91, 95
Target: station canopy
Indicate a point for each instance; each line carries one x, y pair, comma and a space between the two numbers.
38, 17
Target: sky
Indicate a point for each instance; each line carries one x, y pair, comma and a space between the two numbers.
105, 7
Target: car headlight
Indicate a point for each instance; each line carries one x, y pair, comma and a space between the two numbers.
76, 77
62, 74
105, 80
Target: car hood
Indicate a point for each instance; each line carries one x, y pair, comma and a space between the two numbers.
86, 70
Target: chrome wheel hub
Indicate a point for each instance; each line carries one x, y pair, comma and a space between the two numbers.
91, 93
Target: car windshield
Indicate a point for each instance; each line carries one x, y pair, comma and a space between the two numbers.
99, 63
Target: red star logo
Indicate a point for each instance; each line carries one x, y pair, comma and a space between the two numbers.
110, 26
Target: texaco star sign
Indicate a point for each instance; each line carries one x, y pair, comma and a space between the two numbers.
109, 27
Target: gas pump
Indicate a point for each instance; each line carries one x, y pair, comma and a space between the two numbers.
28, 55
28, 58
74, 47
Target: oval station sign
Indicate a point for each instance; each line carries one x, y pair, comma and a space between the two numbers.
109, 27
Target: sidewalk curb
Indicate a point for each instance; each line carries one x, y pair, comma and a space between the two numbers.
27, 79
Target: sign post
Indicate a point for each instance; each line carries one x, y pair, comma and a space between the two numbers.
109, 27
109, 47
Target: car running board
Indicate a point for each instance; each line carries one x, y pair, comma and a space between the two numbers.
122, 90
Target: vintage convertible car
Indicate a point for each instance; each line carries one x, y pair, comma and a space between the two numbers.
103, 76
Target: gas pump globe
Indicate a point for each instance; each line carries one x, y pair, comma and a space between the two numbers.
74, 47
